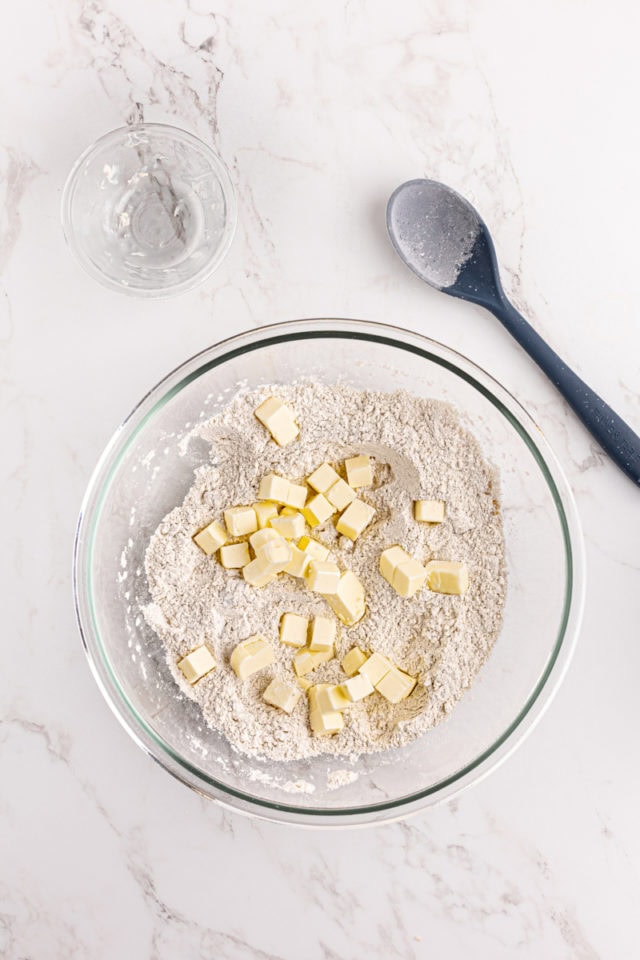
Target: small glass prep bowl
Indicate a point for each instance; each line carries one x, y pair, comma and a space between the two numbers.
149, 210
145, 471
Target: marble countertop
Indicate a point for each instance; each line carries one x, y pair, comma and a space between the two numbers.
319, 109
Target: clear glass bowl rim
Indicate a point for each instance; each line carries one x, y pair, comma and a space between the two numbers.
138, 728
228, 191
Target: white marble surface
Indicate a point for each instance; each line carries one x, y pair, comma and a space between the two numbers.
319, 109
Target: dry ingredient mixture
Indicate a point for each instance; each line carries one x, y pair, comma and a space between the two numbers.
419, 450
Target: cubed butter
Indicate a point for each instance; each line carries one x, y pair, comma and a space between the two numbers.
264, 512
197, 664
318, 510
340, 494
330, 698
240, 521
282, 695
356, 688
297, 567
274, 488
396, 685
235, 555
291, 527
250, 656
296, 496
325, 724
323, 634
323, 576
288, 512
279, 419
304, 661
389, 560
429, 511
375, 668
355, 518
274, 555
256, 575
323, 478
293, 629
304, 683
409, 577
211, 538
260, 537
315, 549
348, 602
359, 471
352, 661
447, 576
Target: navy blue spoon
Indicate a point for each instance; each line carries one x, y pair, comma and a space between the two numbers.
443, 239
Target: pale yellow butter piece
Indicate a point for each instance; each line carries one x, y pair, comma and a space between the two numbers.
409, 577
348, 602
304, 662
211, 538
352, 661
235, 555
447, 576
240, 521
340, 494
282, 695
323, 478
260, 537
323, 576
293, 629
355, 518
356, 688
297, 567
291, 527
304, 683
389, 560
274, 555
429, 511
323, 633
318, 510
275, 488
331, 698
279, 419
250, 656
256, 575
288, 512
314, 690
359, 471
315, 549
396, 685
197, 664
325, 724
264, 512
296, 496
375, 668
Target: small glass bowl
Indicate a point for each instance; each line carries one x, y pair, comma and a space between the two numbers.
149, 210
147, 469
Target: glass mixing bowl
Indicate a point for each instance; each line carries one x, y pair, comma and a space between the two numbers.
146, 470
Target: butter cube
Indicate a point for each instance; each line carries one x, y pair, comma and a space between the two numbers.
323, 634
356, 688
250, 656
279, 419
323, 478
197, 664
375, 668
256, 575
359, 471
293, 630
211, 538
325, 724
303, 683
290, 527
297, 567
447, 576
352, 661
348, 602
318, 510
330, 698
240, 521
313, 692
282, 695
275, 488
288, 512
235, 555
296, 496
396, 685
260, 537
274, 555
390, 559
409, 577
323, 576
340, 494
315, 549
304, 661
355, 518
264, 512
429, 511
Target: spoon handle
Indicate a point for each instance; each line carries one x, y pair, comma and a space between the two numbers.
614, 435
